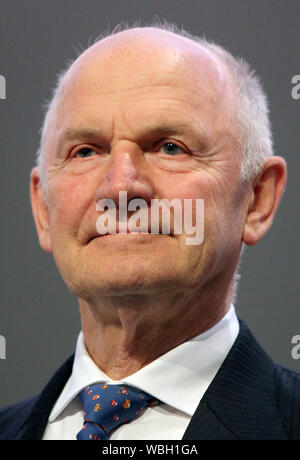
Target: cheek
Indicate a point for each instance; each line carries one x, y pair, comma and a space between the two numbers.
221, 209
68, 201
216, 193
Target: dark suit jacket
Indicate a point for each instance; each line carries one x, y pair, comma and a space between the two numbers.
250, 398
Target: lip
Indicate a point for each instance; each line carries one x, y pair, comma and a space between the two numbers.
126, 235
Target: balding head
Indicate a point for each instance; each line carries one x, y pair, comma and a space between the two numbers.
148, 43
142, 46
123, 61
127, 60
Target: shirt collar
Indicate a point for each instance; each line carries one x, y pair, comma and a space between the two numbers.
178, 378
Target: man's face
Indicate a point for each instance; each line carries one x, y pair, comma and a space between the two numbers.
155, 120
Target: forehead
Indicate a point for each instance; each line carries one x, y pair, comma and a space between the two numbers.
143, 69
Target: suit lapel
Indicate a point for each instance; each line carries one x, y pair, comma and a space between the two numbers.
35, 425
205, 426
240, 402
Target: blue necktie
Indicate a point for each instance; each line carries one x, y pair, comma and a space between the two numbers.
106, 407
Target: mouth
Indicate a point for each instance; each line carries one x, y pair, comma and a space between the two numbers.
128, 235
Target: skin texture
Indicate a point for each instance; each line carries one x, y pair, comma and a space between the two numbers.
142, 295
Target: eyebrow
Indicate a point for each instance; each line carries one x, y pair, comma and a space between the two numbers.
78, 133
164, 130
81, 134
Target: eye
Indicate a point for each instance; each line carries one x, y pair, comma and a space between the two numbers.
85, 152
171, 149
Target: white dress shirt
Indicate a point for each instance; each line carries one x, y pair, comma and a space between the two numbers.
178, 378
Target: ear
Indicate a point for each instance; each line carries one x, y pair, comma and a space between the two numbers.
267, 191
40, 210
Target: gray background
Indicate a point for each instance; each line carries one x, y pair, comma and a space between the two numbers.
39, 317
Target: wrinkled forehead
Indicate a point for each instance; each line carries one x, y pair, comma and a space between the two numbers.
131, 64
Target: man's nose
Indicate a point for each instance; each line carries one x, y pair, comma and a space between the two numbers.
126, 172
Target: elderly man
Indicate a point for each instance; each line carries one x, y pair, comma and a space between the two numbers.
157, 114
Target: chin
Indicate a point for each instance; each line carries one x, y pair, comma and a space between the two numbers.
122, 284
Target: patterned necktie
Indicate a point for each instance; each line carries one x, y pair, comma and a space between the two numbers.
106, 407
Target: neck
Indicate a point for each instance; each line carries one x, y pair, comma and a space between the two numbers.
124, 333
